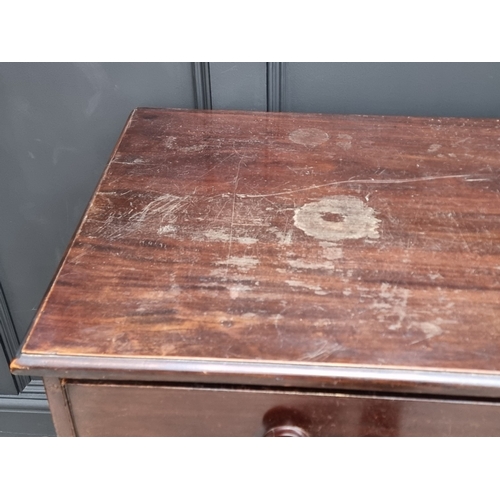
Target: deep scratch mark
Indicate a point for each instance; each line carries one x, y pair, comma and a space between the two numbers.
232, 215
221, 210
457, 225
360, 181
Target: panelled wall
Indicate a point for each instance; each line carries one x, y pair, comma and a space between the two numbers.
60, 121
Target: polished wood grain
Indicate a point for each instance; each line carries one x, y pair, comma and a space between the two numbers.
145, 410
298, 240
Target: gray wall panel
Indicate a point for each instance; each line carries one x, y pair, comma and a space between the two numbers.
239, 86
26, 424
7, 385
58, 125
422, 89
27, 414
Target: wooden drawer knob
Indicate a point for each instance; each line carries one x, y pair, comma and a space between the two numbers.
286, 431
282, 421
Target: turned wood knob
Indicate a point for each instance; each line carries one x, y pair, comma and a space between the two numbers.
286, 431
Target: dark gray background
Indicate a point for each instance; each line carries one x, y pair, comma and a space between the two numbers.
60, 121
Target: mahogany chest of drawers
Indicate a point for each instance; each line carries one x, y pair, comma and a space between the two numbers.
250, 274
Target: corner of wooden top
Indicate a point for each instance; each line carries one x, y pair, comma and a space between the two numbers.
20, 365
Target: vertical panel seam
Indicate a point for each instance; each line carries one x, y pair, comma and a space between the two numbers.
9, 342
202, 85
276, 90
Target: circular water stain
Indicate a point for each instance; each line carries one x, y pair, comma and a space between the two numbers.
337, 218
308, 136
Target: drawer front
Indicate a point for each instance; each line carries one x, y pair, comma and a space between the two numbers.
142, 410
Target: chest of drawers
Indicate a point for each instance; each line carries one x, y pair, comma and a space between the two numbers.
249, 274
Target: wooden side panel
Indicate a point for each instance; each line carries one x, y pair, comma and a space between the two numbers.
131, 410
59, 407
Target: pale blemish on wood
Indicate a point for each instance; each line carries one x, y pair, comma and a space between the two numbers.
309, 136
238, 289
216, 235
331, 251
430, 330
393, 305
284, 237
344, 142
245, 240
433, 148
242, 263
301, 284
171, 143
304, 264
221, 276
434, 276
193, 149
167, 229
221, 235
337, 218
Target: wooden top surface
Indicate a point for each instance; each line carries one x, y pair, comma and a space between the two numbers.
316, 239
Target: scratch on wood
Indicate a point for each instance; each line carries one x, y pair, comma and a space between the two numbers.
453, 218
161, 213
360, 181
323, 351
232, 213
163, 206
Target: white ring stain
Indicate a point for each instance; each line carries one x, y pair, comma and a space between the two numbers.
309, 136
337, 218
